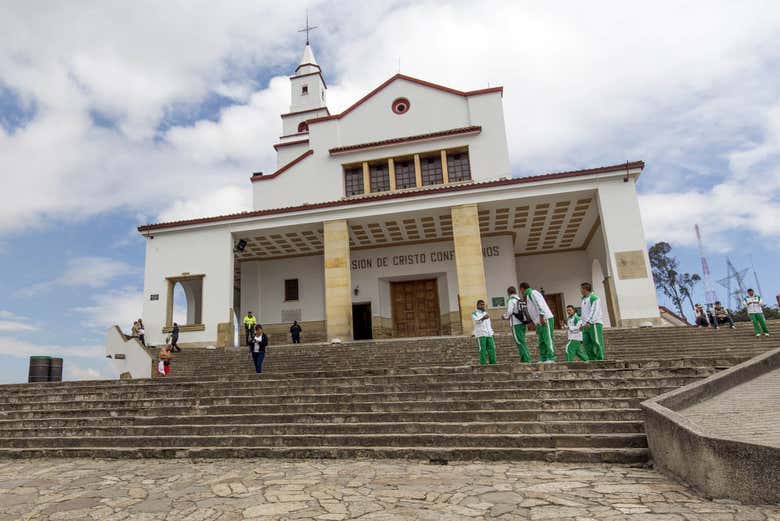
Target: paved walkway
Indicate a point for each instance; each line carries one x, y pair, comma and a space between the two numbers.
751, 408
228, 490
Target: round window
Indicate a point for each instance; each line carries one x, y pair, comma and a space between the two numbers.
401, 106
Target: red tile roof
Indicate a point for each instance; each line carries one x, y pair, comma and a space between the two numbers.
295, 161
406, 139
391, 195
413, 80
277, 146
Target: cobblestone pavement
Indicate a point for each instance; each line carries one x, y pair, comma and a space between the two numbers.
227, 490
751, 408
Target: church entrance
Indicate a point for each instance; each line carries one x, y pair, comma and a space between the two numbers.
361, 321
415, 308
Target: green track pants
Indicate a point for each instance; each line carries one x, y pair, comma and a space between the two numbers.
574, 349
487, 350
759, 323
544, 333
518, 332
593, 340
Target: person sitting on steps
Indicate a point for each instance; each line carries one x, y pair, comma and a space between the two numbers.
720, 315
700, 316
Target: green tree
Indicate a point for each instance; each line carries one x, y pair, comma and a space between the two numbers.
676, 286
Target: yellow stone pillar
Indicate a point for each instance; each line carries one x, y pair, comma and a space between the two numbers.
338, 282
417, 171
391, 170
468, 261
366, 178
445, 173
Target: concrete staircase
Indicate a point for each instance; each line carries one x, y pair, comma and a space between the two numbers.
419, 399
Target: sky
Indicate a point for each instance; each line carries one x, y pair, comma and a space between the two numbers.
116, 114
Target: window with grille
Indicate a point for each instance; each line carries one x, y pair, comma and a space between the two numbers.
353, 180
430, 168
379, 174
290, 289
458, 167
404, 174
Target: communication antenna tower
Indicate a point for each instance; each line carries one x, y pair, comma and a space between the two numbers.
738, 277
709, 292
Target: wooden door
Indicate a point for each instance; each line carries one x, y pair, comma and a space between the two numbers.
555, 301
415, 308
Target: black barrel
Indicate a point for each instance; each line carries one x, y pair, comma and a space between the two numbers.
55, 370
39, 369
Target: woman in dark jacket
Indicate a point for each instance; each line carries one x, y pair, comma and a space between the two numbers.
257, 345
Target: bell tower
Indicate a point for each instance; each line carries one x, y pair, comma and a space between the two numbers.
308, 91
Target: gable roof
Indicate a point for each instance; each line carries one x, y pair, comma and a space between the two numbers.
261, 177
434, 189
400, 76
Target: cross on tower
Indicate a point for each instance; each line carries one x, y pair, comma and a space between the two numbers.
308, 27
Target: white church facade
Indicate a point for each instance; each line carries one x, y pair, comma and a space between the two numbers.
391, 219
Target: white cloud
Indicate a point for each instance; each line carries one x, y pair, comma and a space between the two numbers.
22, 349
73, 371
90, 272
120, 307
585, 84
8, 325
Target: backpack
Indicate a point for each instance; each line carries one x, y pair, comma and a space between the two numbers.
521, 313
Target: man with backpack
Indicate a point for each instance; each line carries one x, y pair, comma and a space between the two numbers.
517, 314
540, 314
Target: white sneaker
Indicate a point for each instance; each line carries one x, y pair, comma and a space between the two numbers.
758, 334
766, 334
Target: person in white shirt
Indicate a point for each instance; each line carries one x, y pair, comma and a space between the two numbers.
700, 316
539, 312
592, 323
756, 312
517, 314
483, 331
574, 335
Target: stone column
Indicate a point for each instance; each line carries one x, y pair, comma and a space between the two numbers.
468, 261
628, 274
338, 283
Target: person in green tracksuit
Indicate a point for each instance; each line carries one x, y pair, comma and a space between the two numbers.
574, 335
483, 331
592, 323
540, 314
756, 312
517, 314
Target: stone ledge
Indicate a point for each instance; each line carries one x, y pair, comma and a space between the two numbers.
718, 466
187, 328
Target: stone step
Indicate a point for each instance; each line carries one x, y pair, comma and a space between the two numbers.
578, 455
255, 396
429, 415
281, 429
157, 408
533, 385
620, 440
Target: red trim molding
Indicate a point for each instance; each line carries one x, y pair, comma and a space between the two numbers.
413, 80
407, 139
292, 135
311, 74
290, 143
305, 64
624, 167
280, 171
290, 114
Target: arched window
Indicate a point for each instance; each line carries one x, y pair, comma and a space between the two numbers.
303, 127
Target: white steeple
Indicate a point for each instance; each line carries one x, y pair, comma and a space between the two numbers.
308, 85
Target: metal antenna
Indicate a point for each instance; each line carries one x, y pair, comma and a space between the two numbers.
709, 292
308, 27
